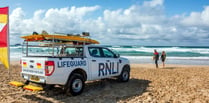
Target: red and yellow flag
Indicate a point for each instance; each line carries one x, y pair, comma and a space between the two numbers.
4, 45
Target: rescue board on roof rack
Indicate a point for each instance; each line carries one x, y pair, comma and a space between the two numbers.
59, 38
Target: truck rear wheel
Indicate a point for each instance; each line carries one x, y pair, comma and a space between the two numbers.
125, 74
75, 84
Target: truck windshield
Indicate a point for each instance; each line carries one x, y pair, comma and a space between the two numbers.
51, 50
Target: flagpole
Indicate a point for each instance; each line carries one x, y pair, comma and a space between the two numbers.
8, 42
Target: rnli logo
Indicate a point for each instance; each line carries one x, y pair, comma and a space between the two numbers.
108, 69
24, 64
38, 65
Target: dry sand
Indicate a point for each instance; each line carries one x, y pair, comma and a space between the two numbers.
173, 84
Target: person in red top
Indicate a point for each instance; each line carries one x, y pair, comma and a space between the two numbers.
156, 57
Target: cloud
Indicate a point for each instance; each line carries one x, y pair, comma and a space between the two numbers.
153, 3
16, 18
197, 18
144, 24
196, 26
63, 20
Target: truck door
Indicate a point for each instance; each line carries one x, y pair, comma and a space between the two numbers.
103, 63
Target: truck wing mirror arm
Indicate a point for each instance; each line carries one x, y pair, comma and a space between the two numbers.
116, 55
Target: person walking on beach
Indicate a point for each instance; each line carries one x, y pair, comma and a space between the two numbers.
156, 57
163, 57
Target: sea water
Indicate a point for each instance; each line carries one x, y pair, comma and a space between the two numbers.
194, 55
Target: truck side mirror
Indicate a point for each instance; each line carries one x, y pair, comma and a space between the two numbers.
116, 55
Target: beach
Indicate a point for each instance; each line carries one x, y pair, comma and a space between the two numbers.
172, 84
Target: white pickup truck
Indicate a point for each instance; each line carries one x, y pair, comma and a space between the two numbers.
71, 65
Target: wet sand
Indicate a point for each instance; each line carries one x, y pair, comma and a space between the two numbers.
172, 84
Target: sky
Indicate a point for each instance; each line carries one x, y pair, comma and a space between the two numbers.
114, 22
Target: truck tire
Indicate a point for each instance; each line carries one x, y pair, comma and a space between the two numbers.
125, 74
75, 84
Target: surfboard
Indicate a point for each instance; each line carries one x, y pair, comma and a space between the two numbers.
60, 38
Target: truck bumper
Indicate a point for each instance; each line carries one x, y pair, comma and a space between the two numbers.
34, 78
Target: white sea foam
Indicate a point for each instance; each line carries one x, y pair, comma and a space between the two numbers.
177, 58
170, 60
167, 49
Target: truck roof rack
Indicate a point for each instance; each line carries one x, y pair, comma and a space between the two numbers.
60, 38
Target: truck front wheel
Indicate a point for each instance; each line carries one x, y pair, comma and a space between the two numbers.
75, 85
125, 74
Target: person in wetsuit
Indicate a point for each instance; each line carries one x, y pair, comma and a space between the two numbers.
156, 57
163, 57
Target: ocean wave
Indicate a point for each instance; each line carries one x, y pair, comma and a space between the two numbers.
171, 50
15, 47
171, 58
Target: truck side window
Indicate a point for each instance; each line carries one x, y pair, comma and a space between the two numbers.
94, 52
73, 52
79, 51
107, 53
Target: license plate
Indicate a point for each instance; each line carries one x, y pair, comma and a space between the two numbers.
34, 78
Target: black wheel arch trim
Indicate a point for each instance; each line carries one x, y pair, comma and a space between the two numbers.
78, 71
